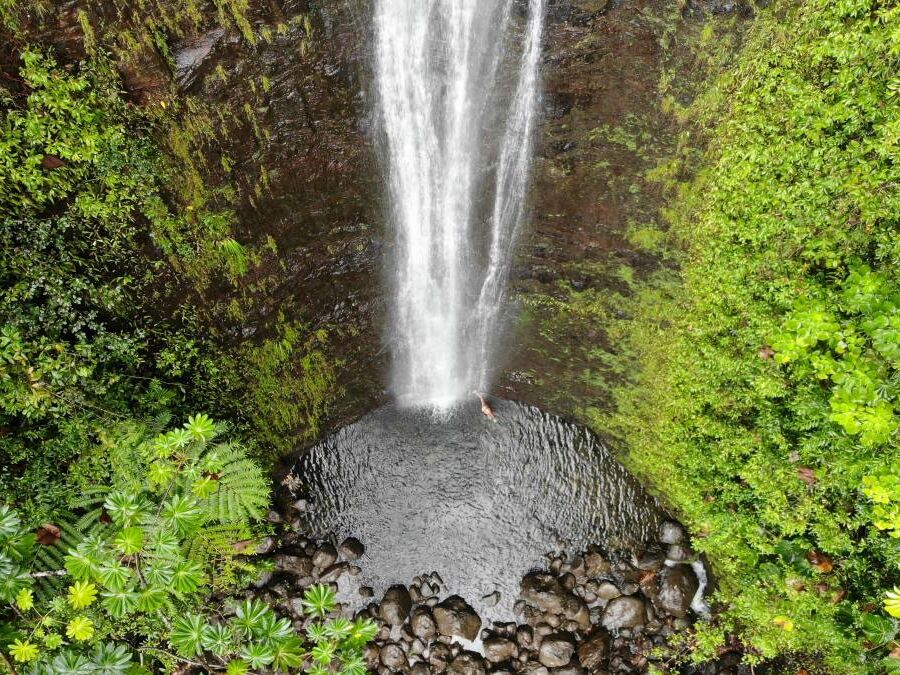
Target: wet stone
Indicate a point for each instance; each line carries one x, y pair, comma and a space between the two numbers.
333, 573
568, 670
556, 650
595, 565
393, 657
676, 589
624, 612
680, 553
325, 556
468, 663
395, 605
422, 624
671, 533
351, 548
497, 649
547, 594
293, 564
440, 657
454, 616
594, 650
524, 636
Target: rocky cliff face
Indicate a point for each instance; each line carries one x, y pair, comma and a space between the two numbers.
298, 157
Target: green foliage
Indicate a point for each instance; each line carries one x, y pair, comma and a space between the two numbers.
86, 235
283, 387
256, 638
16, 549
767, 390
137, 568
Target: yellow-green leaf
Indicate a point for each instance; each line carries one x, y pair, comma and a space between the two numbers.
23, 652
25, 599
80, 628
892, 602
82, 594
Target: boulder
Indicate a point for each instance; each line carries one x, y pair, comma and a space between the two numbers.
545, 592
607, 591
671, 533
395, 605
498, 649
300, 565
676, 588
624, 612
440, 658
468, 663
324, 556
351, 548
422, 624
454, 616
393, 657
556, 650
594, 650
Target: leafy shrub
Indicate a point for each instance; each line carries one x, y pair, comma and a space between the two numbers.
255, 638
134, 570
767, 401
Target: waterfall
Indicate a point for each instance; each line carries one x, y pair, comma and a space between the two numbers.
457, 87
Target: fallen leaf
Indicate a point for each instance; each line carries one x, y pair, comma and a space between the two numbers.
807, 475
820, 561
52, 162
48, 534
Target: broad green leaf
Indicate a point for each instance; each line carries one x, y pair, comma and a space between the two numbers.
130, 540
187, 635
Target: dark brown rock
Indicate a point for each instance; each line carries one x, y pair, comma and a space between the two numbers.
675, 590
468, 663
351, 548
454, 616
395, 605
325, 556
594, 650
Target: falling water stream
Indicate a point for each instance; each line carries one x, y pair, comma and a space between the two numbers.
457, 84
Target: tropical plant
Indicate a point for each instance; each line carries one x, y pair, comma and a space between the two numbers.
764, 393
255, 638
134, 568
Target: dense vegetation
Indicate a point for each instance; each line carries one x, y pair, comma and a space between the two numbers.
767, 404
121, 540
765, 407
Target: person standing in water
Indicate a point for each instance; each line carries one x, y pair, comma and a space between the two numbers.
486, 408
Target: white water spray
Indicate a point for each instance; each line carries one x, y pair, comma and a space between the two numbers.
457, 84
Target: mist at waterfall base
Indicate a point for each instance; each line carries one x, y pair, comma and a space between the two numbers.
481, 503
457, 90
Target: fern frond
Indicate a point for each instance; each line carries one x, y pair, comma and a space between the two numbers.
49, 559
243, 491
213, 549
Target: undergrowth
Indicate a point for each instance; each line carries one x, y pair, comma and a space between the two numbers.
764, 375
